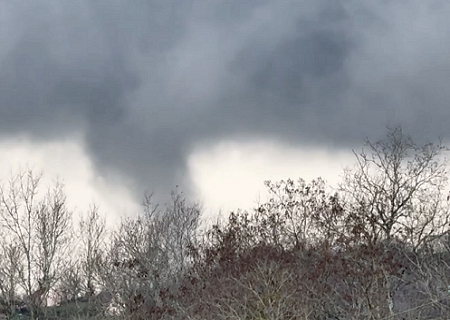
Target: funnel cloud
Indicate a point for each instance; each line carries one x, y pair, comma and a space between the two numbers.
144, 82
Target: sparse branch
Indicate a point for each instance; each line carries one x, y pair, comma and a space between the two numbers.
93, 236
390, 187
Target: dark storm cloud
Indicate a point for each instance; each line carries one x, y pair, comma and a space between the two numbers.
147, 80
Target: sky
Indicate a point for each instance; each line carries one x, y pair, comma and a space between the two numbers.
122, 97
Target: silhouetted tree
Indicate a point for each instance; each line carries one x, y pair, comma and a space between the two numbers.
397, 190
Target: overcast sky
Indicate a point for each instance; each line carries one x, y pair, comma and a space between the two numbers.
119, 97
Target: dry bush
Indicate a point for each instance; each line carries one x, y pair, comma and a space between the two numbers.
361, 253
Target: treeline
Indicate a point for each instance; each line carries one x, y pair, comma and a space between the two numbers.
376, 247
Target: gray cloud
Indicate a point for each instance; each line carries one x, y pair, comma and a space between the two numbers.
146, 80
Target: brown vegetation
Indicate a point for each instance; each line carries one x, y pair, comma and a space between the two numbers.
378, 247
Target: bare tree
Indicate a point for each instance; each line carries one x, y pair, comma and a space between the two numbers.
396, 190
10, 271
70, 285
150, 252
300, 213
92, 236
52, 223
40, 228
17, 205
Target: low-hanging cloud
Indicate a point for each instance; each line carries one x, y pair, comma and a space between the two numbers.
145, 81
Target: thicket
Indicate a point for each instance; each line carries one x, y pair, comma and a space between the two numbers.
376, 247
